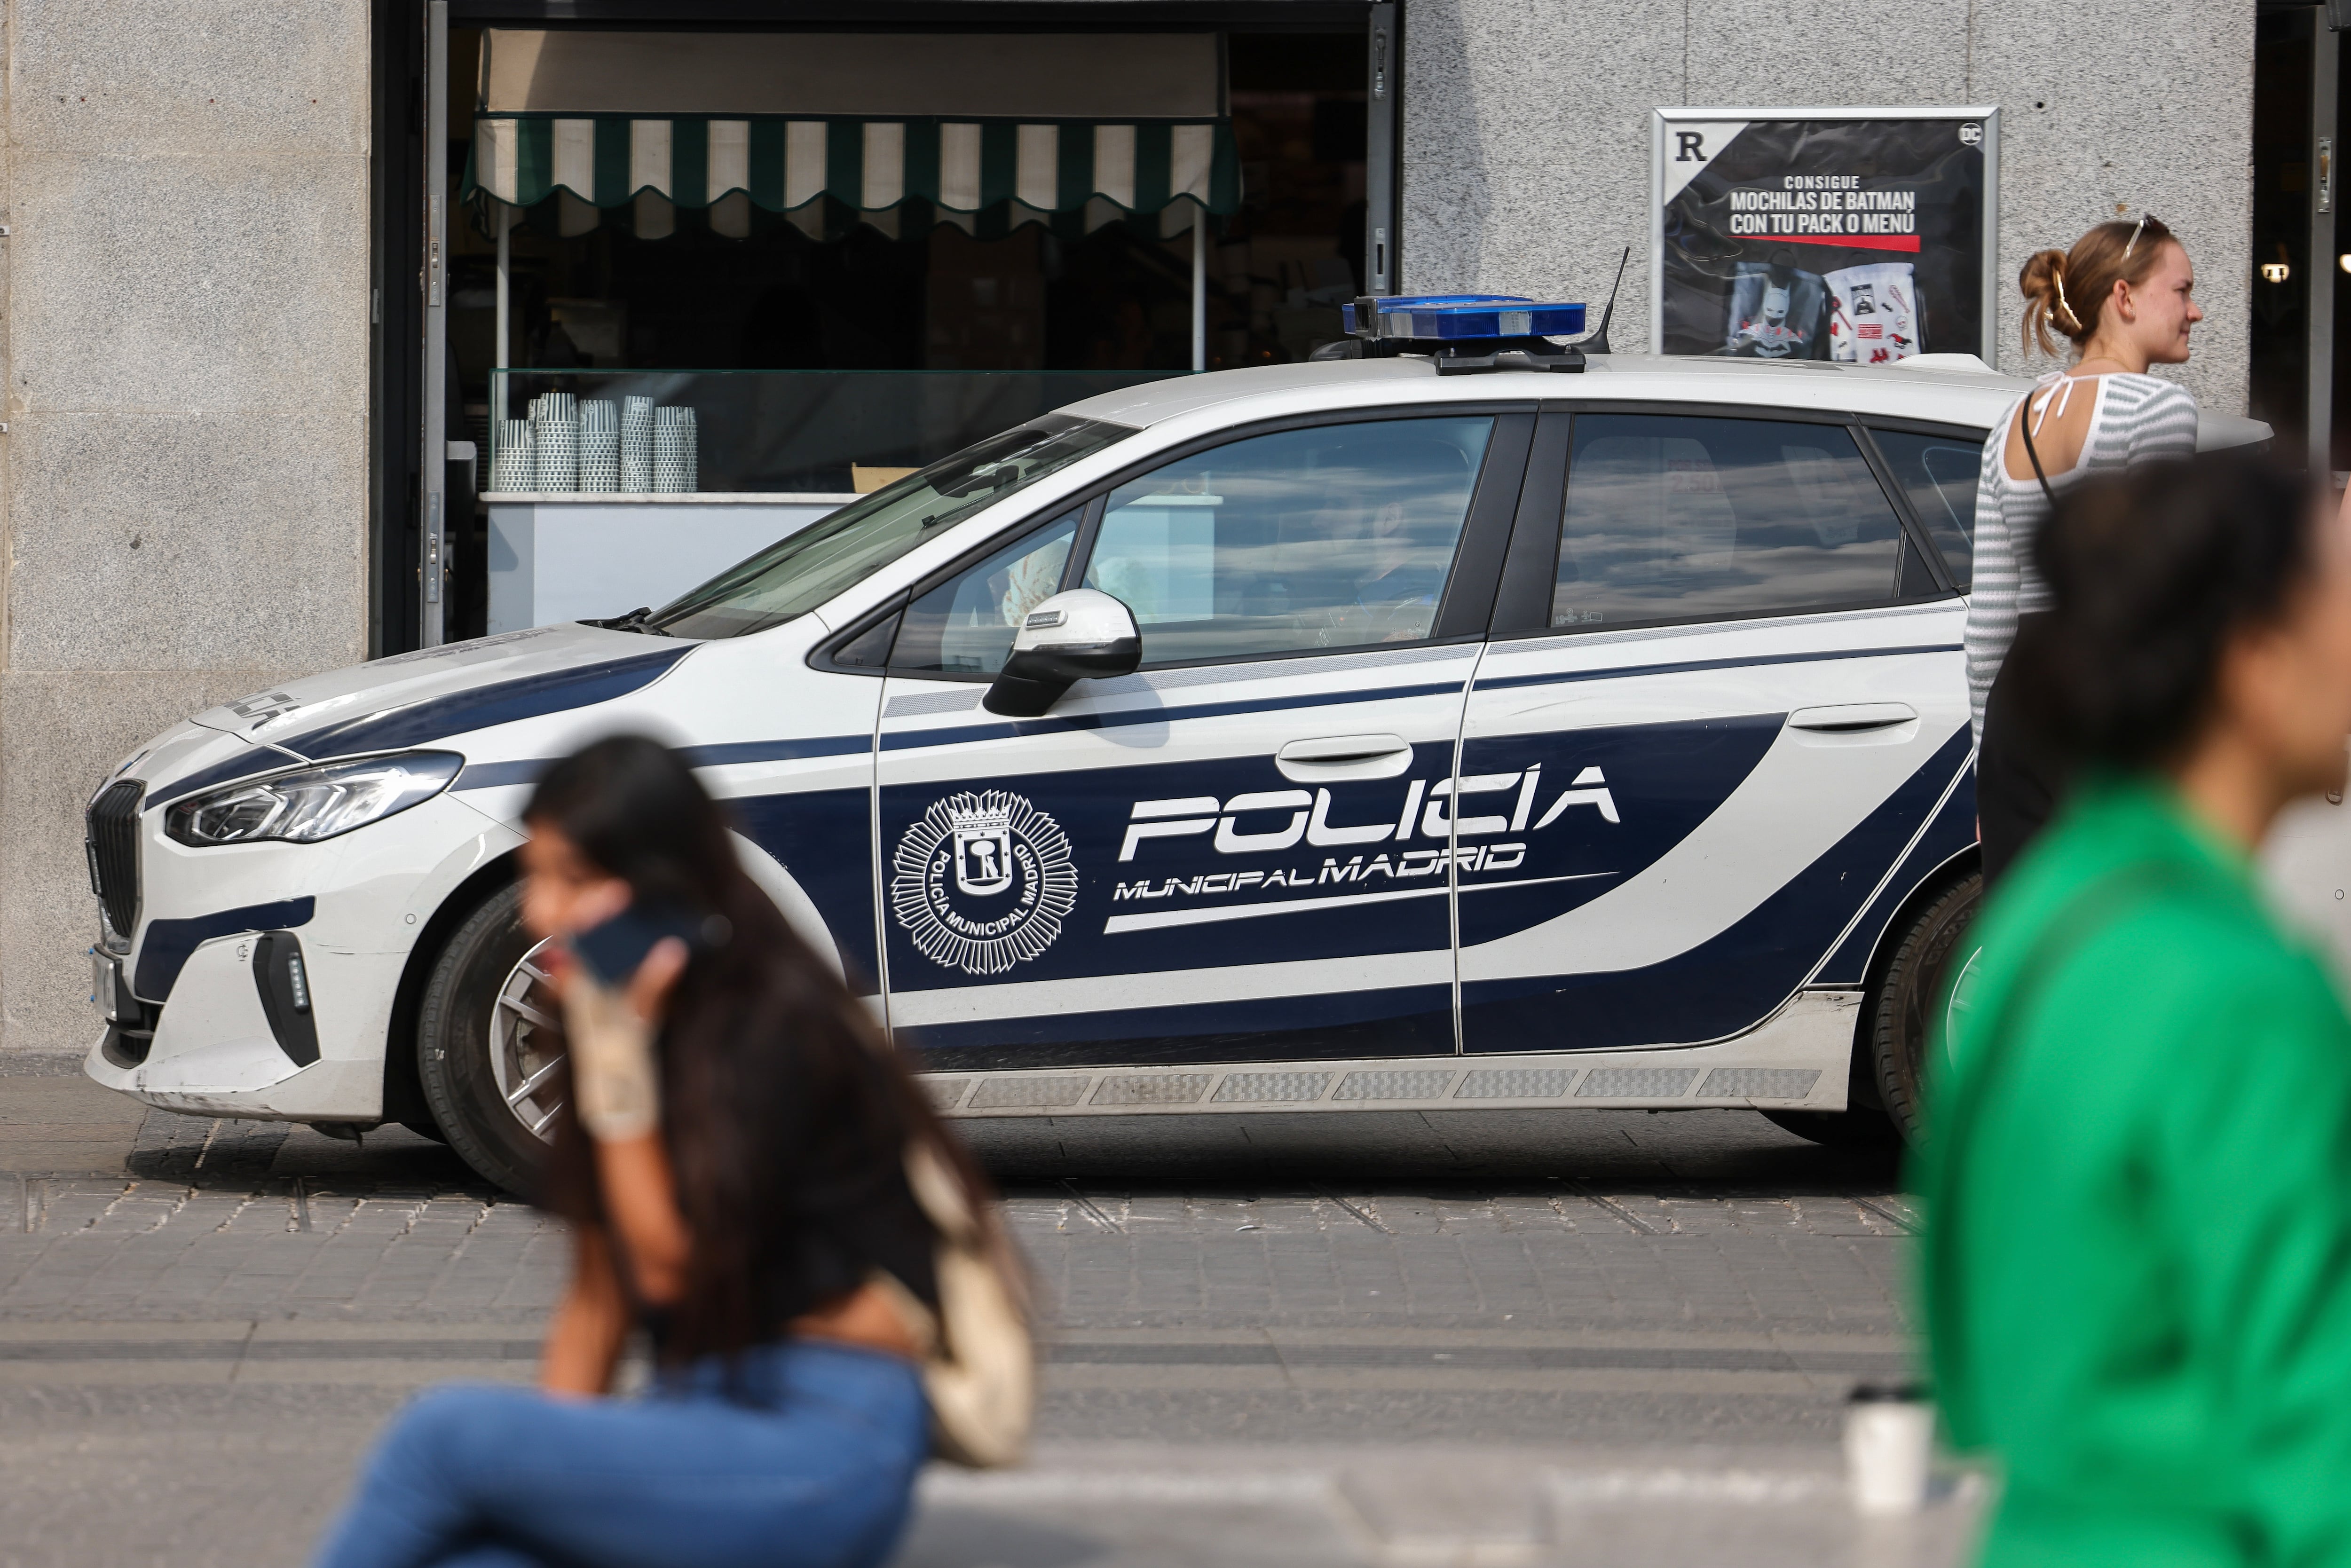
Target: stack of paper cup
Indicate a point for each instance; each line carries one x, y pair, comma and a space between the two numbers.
636, 445
599, 447
555, 442
674, 456
511, 467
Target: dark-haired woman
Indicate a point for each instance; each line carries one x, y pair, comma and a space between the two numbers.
2123, 299
2138, 1270
736, 1170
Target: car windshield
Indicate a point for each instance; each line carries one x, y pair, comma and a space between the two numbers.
796, 574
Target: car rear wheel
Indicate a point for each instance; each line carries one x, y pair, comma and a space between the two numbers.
1907, 999
1890, 1061
486, 1048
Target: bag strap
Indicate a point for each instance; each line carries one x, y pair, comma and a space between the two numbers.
2025, 428
2081, 917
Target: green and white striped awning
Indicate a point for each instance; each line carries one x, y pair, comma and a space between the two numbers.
1008, 172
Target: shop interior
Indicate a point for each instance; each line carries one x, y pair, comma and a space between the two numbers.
827, 347
2302, 255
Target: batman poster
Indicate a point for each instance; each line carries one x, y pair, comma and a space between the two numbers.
1862, 241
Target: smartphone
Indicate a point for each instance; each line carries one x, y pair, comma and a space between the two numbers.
615, 950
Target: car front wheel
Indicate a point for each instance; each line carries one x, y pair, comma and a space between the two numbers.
487, 1051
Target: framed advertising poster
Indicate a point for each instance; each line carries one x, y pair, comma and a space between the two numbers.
1863, 235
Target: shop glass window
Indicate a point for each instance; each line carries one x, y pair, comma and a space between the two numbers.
1941, 472
1671, 517
1336, 537
965, 626
795, 575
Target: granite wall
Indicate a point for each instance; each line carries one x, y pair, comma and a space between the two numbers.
183, 478
1527, 129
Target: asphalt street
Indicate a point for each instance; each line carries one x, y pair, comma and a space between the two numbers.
1472, 1337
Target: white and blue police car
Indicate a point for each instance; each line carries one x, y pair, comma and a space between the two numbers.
1466, 723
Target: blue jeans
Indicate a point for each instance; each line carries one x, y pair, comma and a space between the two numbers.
806, 1457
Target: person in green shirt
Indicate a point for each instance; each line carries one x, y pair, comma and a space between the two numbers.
2136, 1270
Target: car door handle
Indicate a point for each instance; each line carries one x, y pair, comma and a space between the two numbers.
1848, 718
1345, 756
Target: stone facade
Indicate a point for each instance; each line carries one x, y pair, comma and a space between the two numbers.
183, 478
1526, 130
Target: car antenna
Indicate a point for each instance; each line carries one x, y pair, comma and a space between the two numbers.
1598, 342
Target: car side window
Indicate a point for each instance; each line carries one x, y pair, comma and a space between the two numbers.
1682, 518
1337, 535
964, 625
1941, 472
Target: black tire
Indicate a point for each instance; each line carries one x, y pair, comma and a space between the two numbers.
1903, 1009
426, 1127
455, 1042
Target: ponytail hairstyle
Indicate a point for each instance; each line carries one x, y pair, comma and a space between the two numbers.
2069, 290
2152, 571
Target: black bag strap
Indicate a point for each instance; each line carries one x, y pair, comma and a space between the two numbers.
2025, 428
2076, 922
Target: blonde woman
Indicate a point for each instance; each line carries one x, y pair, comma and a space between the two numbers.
2123, 299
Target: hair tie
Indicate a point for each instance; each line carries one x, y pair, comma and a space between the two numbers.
2057, 276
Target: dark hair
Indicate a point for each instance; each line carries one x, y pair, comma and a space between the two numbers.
2152, 571
775, 1081
2069, 290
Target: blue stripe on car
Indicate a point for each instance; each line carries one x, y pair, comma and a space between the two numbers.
738, 752
824, 840
1721, 985
499, 775
1121, 718
164, 952
501, 702
1404, 1020
1952, 831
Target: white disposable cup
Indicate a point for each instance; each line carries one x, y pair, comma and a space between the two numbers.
1889, 1445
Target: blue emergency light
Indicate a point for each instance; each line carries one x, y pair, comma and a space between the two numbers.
1462, 318
1462, 334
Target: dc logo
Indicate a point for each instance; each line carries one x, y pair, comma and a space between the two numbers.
983, 882
1972, 134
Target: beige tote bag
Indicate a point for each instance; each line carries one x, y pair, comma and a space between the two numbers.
980, 1369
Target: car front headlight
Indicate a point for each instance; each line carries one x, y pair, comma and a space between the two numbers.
312, 803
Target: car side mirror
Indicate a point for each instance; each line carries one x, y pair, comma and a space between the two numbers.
1081, 635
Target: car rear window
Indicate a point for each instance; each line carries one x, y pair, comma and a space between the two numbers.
1939, 473
1686, 517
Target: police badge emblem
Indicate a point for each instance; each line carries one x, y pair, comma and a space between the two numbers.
983, 882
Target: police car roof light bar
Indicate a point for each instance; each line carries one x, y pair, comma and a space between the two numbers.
1461, 318
1461, 332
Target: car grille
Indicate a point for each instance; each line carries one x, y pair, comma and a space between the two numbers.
113, 826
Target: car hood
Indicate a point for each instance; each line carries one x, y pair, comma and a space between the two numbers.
408, 700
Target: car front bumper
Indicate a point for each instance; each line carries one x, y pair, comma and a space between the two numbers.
234, 1033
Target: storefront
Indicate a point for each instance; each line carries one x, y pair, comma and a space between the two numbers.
699, 284
2301, 326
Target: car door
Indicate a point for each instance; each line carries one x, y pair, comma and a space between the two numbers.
1723, 699
1240, 851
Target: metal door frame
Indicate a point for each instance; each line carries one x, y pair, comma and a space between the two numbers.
433, 461
2325, 66
1381, 130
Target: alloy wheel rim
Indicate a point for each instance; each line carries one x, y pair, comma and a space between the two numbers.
525, 1053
